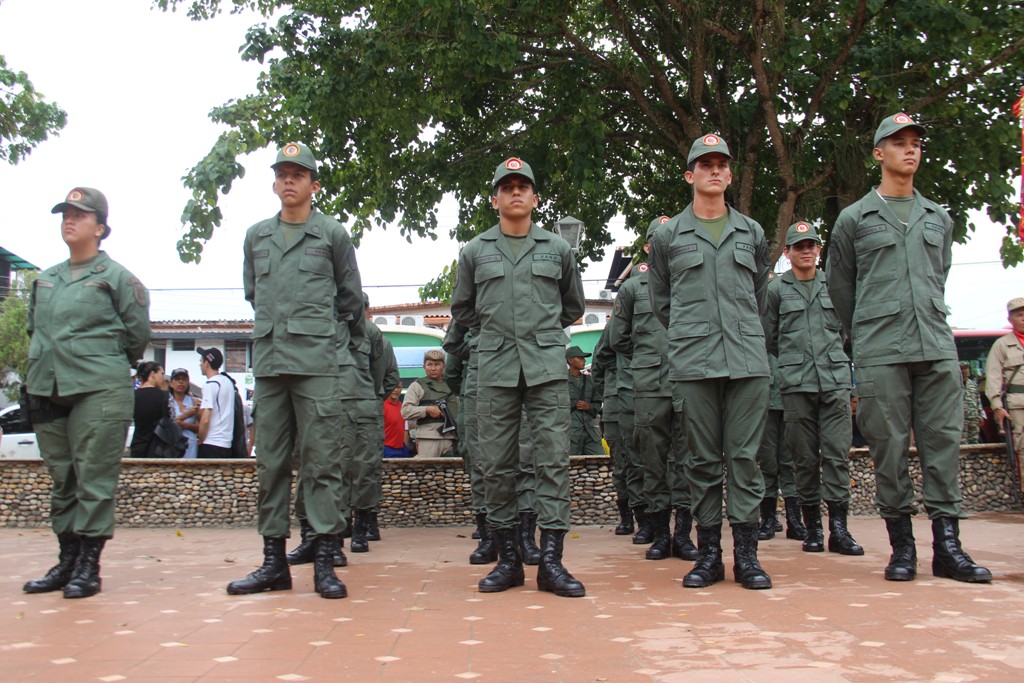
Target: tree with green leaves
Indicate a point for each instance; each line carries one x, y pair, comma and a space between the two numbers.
13, 335
26, 119
406, 100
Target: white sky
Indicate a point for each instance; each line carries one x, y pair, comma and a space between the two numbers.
137, 85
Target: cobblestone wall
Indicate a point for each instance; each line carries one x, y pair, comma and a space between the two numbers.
196, 493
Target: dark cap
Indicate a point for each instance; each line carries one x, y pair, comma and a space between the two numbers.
891, 125
296, 153
707, 144
655, 224
575, 352
800, 231
180, 372
513, 166
433, 354
87, 199
212, 356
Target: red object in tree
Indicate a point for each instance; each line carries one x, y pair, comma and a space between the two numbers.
1018, 112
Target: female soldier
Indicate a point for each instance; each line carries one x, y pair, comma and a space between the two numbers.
88, 318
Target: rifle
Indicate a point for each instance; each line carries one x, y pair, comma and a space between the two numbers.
448, 425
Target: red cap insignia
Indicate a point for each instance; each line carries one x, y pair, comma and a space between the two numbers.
711, 140
643, 267
802, 227
514, 164
291, 150
902, 118
75, 195
664, 219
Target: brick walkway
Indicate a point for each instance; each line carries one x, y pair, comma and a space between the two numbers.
413, 614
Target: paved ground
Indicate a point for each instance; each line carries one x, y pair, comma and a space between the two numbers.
413, 614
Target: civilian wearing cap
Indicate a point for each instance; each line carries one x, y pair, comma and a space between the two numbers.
301, 277
658, 436
888, 259
1004, 375
88, 318
803, 331
217, 410
520, 287
584, 439
185, 409
421, 404
709, 270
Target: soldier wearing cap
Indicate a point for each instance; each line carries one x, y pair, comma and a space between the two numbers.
604, 371
888, 259
1004, 376
584, 406
658, 435
425, 402
803, 331
88, 319
708, 275
520, 287
301, 277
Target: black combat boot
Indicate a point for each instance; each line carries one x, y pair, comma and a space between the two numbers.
709, 568
478, 533
60, 573
767, 529
903, 561
625, 526
358, 543
661, 547
347, 533
305, 551
85, 578
372, 528
746, 569
839, 538
644, 530
274, 575
949, 559
814, 541
325, 581
551, 575
682, 546
486, 550
508, 573
339, 553
528, 549
795, 529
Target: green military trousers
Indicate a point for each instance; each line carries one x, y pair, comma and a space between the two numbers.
926, 396
363, 461
469, 437
724, 422
819, 431
634, 471
613, 436
303, 411
775, 458
83, 454
499, 415
657, 439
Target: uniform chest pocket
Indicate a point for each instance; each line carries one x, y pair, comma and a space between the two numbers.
791, 313
317, 264
261, 266
44, 291
687, 273
94, 293
875, 246
831, 318
745, 258
488, 271
642, 305
547, 269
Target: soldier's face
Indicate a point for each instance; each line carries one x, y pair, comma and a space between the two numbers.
900, 153
294, 185
804, 254
79, 227
514, 197
434, 368
1016, 319
711, 175
578, 362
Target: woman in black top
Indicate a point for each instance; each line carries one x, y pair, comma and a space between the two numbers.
151, 404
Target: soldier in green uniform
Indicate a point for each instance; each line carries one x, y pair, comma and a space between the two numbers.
776, 463
520, 287
888, 259
584, 406
803, 331
88, 319
708, 282
385, 377
634, 471
658, 434
301, 277
604, 370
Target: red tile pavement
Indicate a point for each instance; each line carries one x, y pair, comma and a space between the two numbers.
413, 614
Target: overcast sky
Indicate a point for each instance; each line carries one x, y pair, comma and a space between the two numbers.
137, 85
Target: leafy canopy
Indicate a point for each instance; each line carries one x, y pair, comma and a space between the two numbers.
26, 119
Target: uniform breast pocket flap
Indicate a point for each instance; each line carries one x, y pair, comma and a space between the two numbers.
792, 306
320, 264
932, 237
873, 238
686, 261
261, 265
745, 258
488, 271
547, 269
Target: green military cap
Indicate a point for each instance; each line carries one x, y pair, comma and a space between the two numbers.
655, 224
366, 300
575, 352
296, 153
1014, 303
87, 199
708, 144
433, 354
513, 166
800, 231
891, 125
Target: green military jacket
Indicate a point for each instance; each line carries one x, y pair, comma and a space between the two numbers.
520, 304
307, 298
710, 298
604, 370
774, 389
386, 373
84, 332
803, 330
888, 282
637, 334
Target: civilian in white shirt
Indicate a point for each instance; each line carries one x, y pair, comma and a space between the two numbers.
217, 411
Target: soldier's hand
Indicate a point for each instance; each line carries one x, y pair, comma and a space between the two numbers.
582, 405
1000, 415
433, 411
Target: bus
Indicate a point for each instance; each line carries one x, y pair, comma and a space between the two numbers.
410, 343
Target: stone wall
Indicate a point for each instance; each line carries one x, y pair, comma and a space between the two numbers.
429, 492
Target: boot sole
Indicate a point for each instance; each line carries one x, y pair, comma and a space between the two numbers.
944, 574
842, 551
900, 577
483, 560
358, 549
44, 589
74, 594
795, 536
697, 582
758, 585
501, 589
278, 586
333, 595
624, 532
578, 593
813, 548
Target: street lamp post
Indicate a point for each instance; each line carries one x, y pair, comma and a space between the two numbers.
571, 230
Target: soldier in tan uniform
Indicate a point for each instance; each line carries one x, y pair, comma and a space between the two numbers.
423, 404
1004, 376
